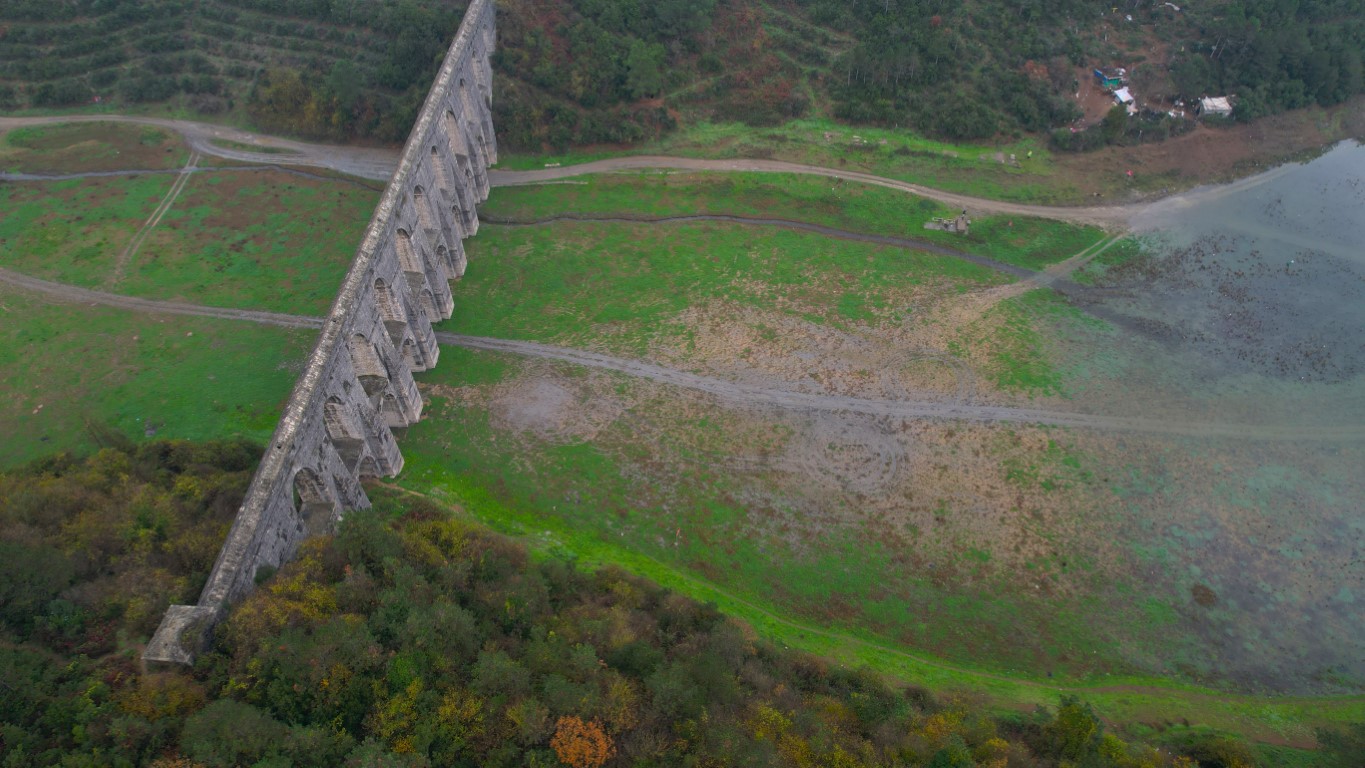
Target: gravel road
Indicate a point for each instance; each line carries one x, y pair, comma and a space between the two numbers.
733, 392
379, 163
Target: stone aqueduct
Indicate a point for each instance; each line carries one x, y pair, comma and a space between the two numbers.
358, 384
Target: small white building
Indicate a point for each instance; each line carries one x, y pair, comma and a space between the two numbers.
1220, 106
1124, 97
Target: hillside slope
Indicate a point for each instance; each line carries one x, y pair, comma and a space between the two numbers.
413, 638
588, 71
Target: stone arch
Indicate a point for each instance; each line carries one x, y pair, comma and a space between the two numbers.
395, 320
454, 260
425, 215
429, 304
469, 105
369, 368
344, 431
408, 259
445, 175
409, 352
313, 501
457, 261
448, 123
368, 468
390, 409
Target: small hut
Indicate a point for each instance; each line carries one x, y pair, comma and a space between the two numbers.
1220, 106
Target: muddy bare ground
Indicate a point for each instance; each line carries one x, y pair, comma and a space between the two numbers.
1227, 559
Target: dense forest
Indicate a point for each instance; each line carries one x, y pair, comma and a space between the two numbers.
970, 70
414, 638
576, 72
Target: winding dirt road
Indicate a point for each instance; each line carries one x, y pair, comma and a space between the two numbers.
366, 162
740, 394
379, 163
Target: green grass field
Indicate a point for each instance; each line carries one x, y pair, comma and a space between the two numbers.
1023, 241
847, 598
264, 240
1010, 343
83, 147
973, 169
62, 366
658, 484
625, 283
75, 231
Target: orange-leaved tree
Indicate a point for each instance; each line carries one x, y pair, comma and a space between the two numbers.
579, 744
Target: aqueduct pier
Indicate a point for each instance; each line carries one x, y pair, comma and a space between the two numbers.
358, 385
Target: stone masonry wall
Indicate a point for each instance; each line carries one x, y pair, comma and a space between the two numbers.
358, 383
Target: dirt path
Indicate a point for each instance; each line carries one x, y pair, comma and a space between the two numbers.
734, 392
366, 184
365, 162
379, 164
76, 295
1110, 217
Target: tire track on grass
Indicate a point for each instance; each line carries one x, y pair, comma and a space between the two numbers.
125, 258
738, 393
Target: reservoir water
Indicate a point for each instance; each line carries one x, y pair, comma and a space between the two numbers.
1247, 306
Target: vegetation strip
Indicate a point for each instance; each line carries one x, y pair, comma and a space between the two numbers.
182, 172
1108, 216
820, 229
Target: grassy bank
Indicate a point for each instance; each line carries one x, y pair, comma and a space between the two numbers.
626, 284
651, 490
85, 147
1019, 240
261, 239
75, 231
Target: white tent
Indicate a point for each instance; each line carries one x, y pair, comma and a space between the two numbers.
1122, 96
